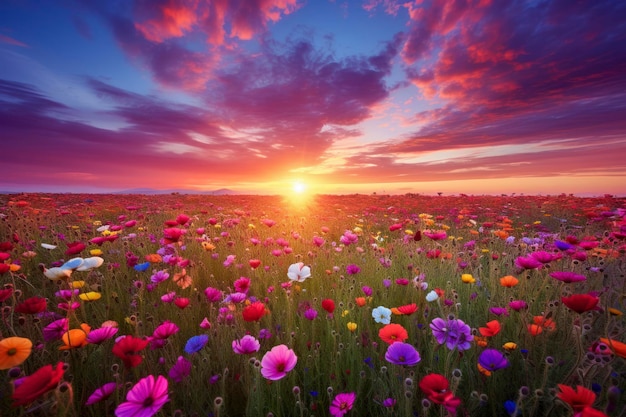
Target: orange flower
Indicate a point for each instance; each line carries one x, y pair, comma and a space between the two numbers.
483, 370
509, 281
535, 329
182, 279
480, 341
545, 322
392, 333
14, 351
618, 348
360, 301
154, 258
75, 338
492, 329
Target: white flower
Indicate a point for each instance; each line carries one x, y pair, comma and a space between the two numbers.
432, 296
299, 272
382, 315
90, 263
48, 246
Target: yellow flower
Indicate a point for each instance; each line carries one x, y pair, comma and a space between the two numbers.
97, 223
345, 313
483, 370
251, 226
509, 346
95, 252
14, 351
90, 296
468, 278
484, 250
78, 284
409, 232
351, 326
358, 231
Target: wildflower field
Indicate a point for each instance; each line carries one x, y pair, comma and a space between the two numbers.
183, 305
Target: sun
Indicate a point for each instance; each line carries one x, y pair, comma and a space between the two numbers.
299, 187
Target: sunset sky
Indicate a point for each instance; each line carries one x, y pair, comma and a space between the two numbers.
474, 96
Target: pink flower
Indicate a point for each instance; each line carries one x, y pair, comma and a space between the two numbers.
527, 262
145, 399
342, 403
242, 285
518, 305
98, 336
277, 362
213, 295
246, 345
102, 393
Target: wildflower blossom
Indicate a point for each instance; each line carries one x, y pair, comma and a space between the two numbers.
196, 343
454, 333
400, 353
180, 370
298, 272
13, 351
278, 362
581, 303
492, 360
342, 403
392, 333
37, 384
436, 387
128, 349
145, 398
101, 393
381, 315
254, 311
246, 345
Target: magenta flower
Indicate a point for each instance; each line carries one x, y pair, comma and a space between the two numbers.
102, 393
367, 290
161, 333
400, 353
145, 399
213, 295
277, 362
518, 305
242, 285
352, 269
527, 262
98, 336
180, 370
436, 235
56, 329
342, 403
349, 237
543, 256
159, 276
246, 345
499, 311
567, 276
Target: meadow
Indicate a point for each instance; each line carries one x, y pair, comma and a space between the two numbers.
357, 305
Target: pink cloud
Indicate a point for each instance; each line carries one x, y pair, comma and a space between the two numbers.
11, 41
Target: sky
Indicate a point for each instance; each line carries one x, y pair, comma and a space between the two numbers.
340, 97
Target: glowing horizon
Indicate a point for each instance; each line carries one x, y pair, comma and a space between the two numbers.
374, 96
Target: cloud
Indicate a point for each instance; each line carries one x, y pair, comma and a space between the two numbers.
11, 41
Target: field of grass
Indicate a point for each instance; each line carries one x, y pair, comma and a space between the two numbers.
182, 305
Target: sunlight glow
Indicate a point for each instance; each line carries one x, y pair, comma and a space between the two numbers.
299, 187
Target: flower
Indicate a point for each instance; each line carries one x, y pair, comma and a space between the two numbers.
578, 399
145, 398
351, 326
213, 295
342, 403
436, 387
277, 362
617, 347
454, 333
492, 329
518, 305
381, 315
127, 348
13, 351
401, 353
492, 360
581, 303
75, 338
56, 329
32, 305
310, 313
102, 334
567, 277
246, 345
102, 393
432, 296
468, 278
37, 384
352, 269
254, 311
298, 272
509, 281
392, 333
407, 309
90, 296
196, 343
180, 370
527, 262
328, 305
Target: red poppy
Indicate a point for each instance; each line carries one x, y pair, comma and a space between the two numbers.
4, 268
75, 248
37, 384
577, 399
254, 263
328, 305
408, 309
173, 234
545, 322
127, 349
32, 305
492, 329
392, 333
436, 387
535, 329
580, 303
254, 311
360, 301
181, 302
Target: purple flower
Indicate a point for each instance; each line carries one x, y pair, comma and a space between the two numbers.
236, 297
499, 311
55, 330
454, 333
400, 353
144, 399
567, 277
389, 402
246, 345
265, 334
492, 360
180, 370
102, 393
159, 276
518, 305
213, 295
352, 269
310, 313
562, 245
387, 282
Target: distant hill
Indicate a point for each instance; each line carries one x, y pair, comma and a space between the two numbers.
152, 191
